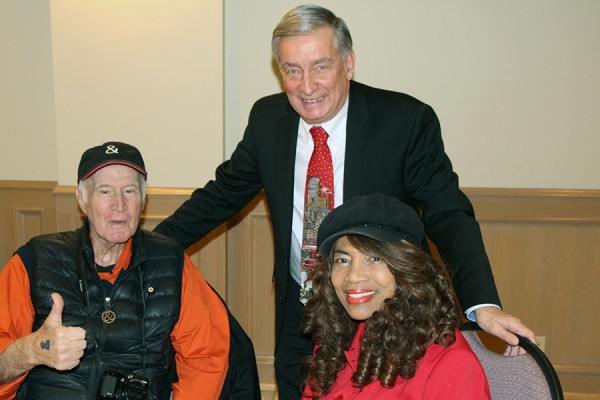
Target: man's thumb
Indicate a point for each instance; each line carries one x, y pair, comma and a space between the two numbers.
55, 316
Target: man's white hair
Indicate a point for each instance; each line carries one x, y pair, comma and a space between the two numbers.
85, 185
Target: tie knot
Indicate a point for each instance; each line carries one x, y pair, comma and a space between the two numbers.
319, 134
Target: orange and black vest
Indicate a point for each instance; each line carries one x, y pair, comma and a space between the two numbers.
145, 298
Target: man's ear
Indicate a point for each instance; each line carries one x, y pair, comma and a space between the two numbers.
349, 64
79, 196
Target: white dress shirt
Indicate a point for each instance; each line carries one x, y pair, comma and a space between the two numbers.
336, 129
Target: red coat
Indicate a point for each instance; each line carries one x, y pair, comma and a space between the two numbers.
446, 373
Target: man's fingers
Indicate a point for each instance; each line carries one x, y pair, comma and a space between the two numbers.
55, 316
499, 331
513, 350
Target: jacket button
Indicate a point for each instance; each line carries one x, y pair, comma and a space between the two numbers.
281, 299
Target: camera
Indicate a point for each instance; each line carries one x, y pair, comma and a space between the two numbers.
120, 385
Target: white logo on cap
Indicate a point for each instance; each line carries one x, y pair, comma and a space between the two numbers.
111, 149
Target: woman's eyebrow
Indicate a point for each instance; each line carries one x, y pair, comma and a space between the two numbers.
340, 251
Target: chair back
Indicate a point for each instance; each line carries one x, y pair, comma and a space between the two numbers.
529, 376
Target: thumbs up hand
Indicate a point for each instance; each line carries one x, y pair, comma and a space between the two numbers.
57, 346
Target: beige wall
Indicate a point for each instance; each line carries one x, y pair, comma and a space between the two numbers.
146, 72
143, 71
27, 120
515, 83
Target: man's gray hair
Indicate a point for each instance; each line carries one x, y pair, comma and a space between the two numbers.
307, 19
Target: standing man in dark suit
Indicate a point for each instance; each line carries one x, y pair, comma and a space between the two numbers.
380, 141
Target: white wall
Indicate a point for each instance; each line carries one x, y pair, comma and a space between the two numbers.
146, 72
516, 84
27, 121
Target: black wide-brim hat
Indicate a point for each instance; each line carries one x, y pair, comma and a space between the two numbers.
376, 216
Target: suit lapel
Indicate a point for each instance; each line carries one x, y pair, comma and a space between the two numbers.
357, 139
285, 158
285, 150
284, 153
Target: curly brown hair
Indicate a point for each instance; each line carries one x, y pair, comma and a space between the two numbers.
423, 311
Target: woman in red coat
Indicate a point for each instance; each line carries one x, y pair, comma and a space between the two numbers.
384, 315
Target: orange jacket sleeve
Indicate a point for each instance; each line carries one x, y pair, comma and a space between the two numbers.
16, 313
200, 339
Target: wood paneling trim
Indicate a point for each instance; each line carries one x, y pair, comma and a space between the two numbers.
539, 205
580, 378
27, 209
542, 245
581, 396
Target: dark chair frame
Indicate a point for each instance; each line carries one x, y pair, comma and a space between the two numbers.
538, 356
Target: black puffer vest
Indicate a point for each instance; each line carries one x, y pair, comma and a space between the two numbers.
146, 299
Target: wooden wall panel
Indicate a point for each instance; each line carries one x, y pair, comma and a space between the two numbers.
543, 245
27, 209
208, 254
251, 291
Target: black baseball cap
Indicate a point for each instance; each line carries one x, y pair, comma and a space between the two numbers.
108, 154
376, 216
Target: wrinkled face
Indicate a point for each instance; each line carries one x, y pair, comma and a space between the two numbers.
112, 203
361, 282
315, 77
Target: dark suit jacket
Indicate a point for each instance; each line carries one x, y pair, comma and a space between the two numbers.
393, 146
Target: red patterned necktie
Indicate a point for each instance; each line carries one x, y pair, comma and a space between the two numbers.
318, 201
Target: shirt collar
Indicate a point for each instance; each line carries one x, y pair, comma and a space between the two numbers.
121, 265
331, 126
354, 350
